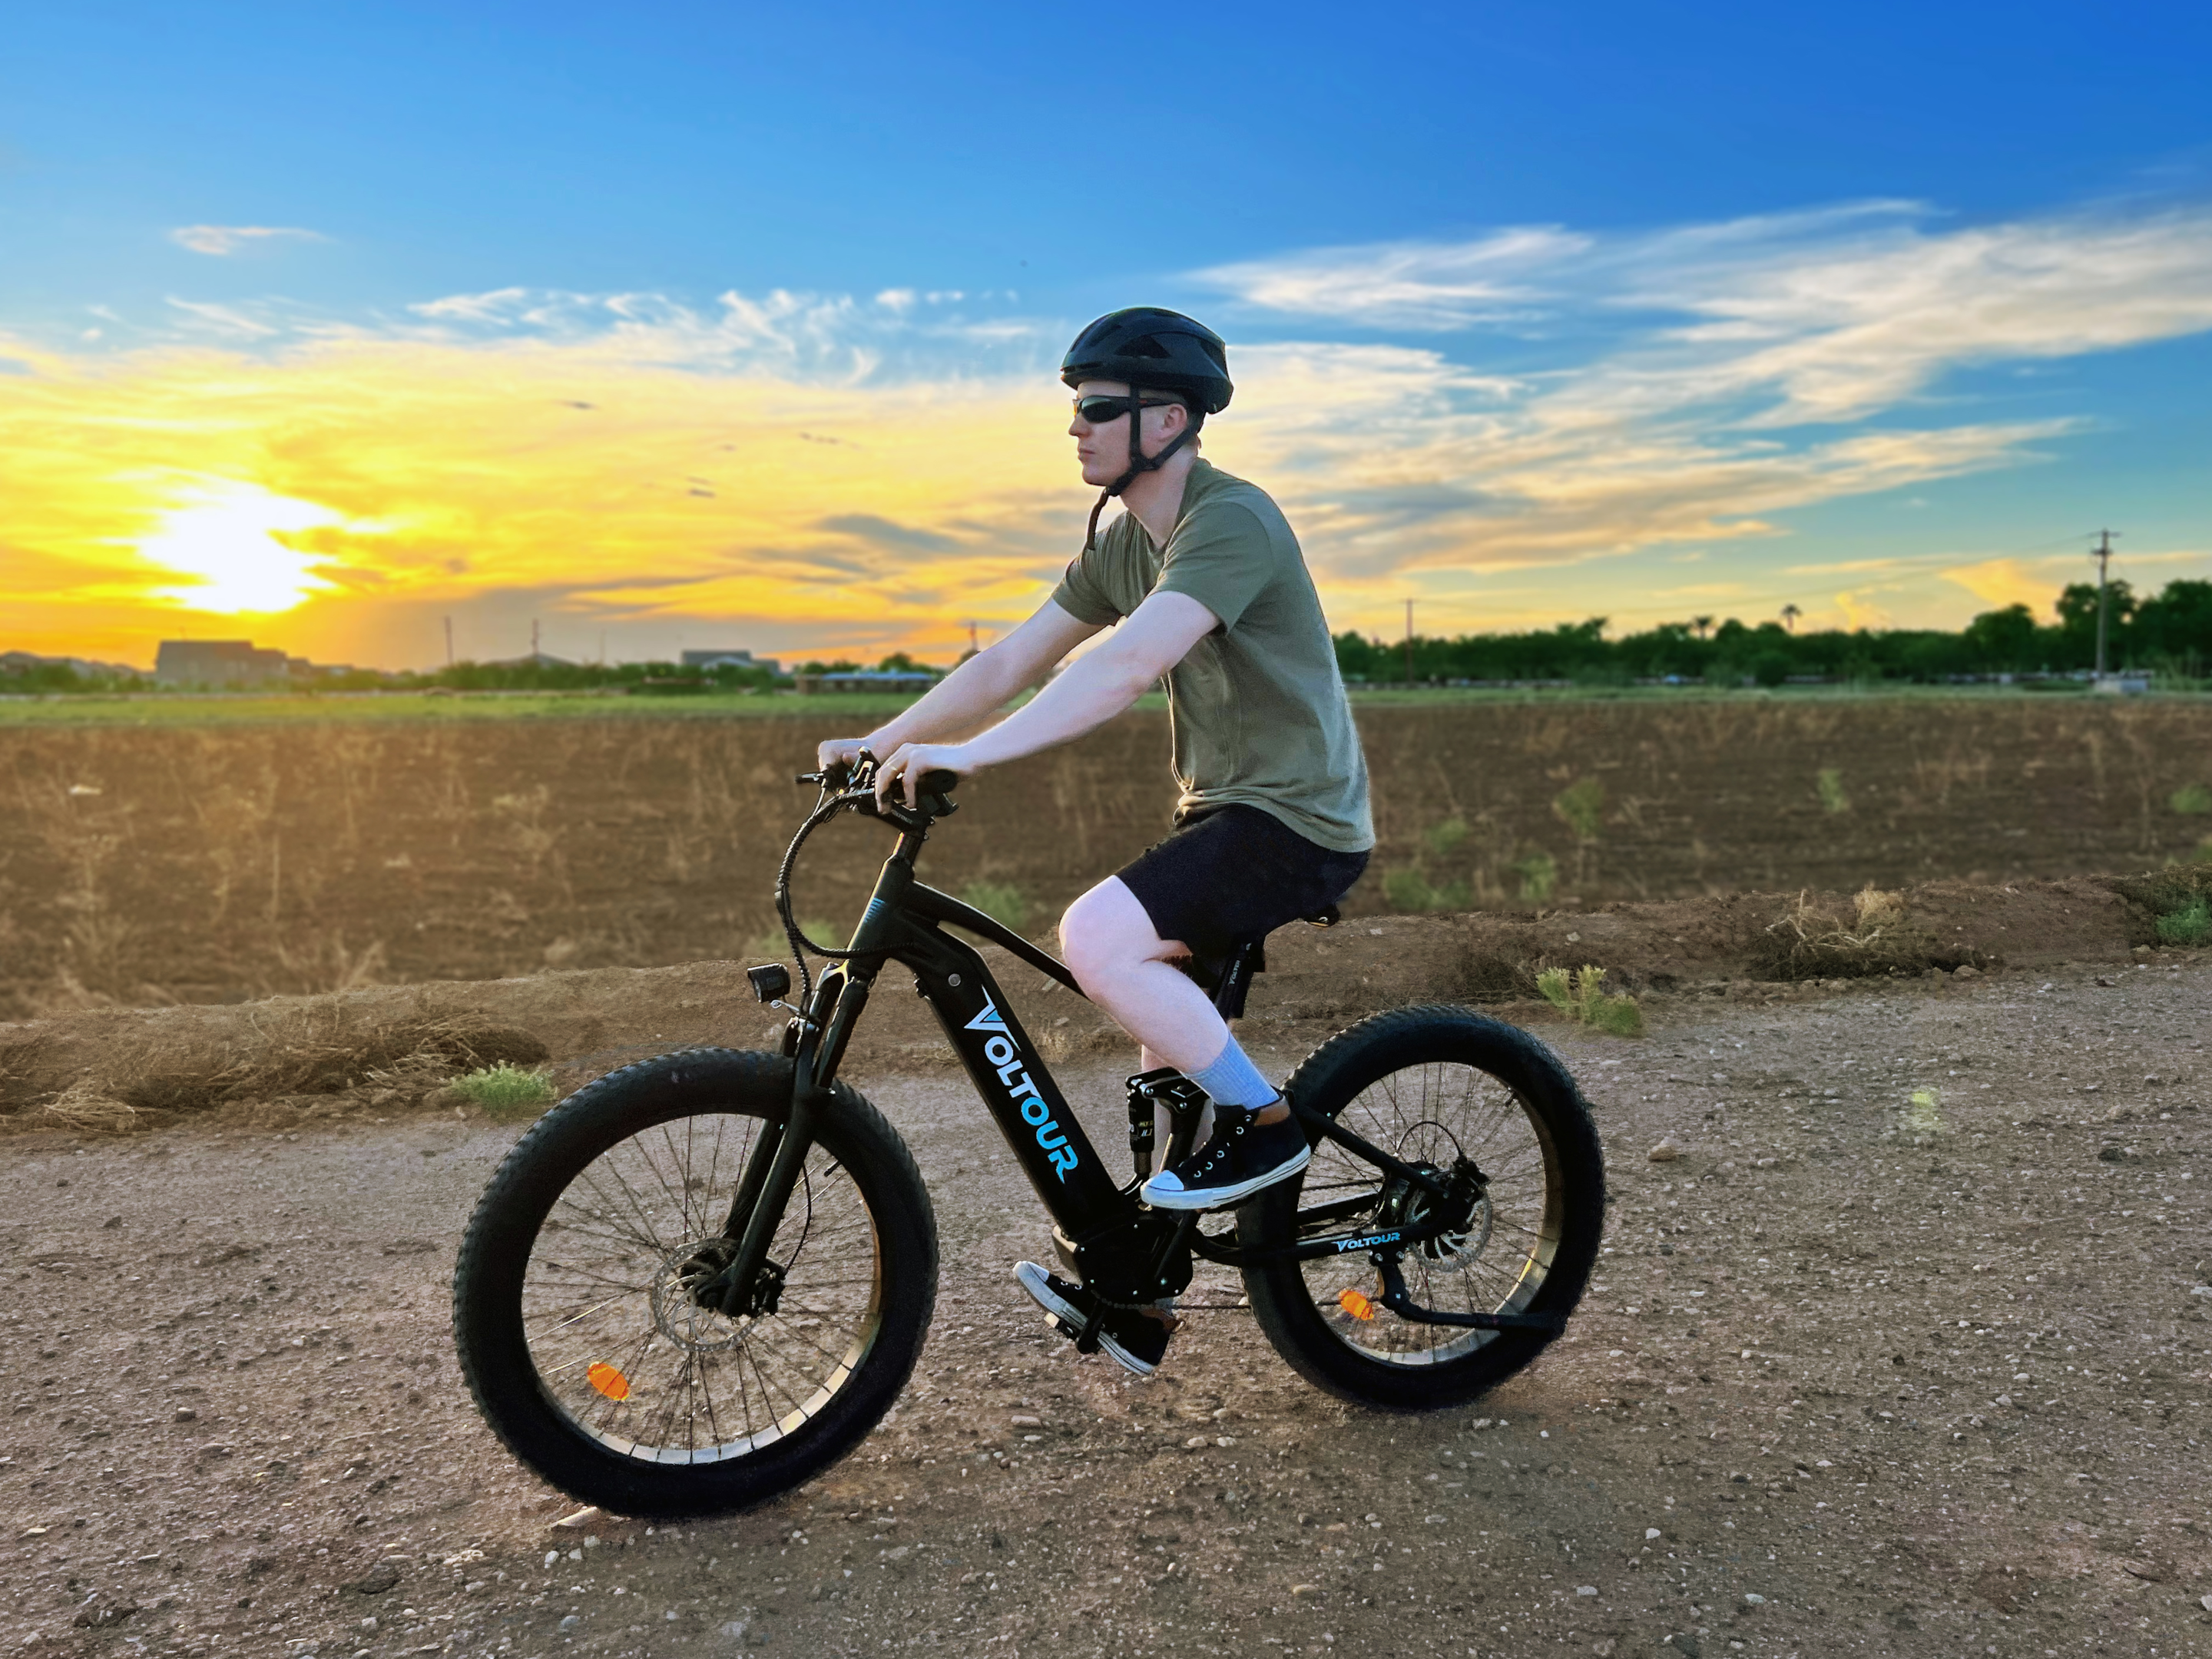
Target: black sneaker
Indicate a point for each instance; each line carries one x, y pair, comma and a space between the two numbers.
1242, 1156
1139, 1341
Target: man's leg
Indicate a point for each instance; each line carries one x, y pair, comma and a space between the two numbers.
1110, 940
1125, 967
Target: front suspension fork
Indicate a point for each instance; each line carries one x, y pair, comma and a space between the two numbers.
749, 1284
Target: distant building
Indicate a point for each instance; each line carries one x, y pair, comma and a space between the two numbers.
240, 665
733, 658
224, 663
534, 659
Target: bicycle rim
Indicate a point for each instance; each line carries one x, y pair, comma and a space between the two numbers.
1496, 1262
632, 1362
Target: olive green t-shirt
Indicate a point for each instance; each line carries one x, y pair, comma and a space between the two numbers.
1256, 711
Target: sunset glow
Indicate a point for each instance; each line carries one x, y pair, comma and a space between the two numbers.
709, 349
224, 536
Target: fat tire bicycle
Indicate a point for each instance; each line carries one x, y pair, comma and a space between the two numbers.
702, 1279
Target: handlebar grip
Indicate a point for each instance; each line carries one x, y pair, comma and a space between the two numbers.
939, 783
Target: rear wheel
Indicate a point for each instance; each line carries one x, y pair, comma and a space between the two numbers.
573, 1309
1447, 1090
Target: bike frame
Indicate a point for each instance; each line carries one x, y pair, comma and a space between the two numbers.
1098, 1217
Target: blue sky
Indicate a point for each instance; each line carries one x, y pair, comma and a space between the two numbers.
1547, 312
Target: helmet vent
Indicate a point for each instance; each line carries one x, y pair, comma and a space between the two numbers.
1145, 347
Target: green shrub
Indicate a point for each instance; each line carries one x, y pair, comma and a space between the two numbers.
1581, 997
1446, 836
505, 1092
2191, 798
2187, 926
1407, 889
1581, 806
772, 946
1001, 901
1831, 791
1539, 872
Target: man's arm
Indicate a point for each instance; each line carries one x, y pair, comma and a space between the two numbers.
1157, 635
967, 696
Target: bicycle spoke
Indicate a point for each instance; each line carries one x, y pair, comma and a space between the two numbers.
603, 1288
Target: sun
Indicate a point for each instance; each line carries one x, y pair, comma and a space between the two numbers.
223, 535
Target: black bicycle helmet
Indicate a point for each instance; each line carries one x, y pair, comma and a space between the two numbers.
1151, 350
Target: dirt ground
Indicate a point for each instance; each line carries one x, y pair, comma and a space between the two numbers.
145, 865
1852, 1377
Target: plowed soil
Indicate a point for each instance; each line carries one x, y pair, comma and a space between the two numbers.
1854, 1377
223, 863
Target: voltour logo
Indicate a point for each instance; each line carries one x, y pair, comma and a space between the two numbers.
1006, 1059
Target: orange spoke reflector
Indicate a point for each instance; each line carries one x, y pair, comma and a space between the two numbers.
1352, 1301
613, 1384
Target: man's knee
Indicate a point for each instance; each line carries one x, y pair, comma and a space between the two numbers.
1087, 944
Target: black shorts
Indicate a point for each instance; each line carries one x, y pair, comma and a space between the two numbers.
1236, 875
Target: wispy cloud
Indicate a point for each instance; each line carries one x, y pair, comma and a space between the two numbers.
222, 240
1823, 316
898, 458
1502, 277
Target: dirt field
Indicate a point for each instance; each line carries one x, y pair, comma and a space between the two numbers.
1850, 1380
217, 863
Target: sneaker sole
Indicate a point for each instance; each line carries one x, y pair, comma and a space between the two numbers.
1059, 1311
1220, 1197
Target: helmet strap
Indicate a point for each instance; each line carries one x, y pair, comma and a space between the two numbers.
1139, 461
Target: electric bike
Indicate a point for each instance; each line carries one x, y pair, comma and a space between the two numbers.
701, 1279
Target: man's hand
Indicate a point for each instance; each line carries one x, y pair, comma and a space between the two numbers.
910, 760
838, 751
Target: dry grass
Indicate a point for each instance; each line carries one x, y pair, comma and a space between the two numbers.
1808, 941
310, 1050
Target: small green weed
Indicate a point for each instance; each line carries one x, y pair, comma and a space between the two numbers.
2191, 798
1581, 997
1407, 888
506, 1092
1001, 901
1581, 807
1923, 1114
1540, 874
772, 946
1445, 836
1831, 785
2189, 925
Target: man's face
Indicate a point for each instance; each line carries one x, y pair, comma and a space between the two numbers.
1103, 450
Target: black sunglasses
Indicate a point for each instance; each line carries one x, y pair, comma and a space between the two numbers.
1096, 411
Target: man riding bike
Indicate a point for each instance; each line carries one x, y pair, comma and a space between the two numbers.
1205, 586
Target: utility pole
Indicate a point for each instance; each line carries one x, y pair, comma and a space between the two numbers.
1409, 642
449, 641
971, 639
2102, 553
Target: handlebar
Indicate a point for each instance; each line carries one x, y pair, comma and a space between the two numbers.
854, 788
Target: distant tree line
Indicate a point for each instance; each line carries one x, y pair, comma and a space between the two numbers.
2170, 633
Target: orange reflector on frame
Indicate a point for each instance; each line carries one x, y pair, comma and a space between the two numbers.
613, 1384
1352, 1301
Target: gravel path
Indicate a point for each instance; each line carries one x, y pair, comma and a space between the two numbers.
1856, 1376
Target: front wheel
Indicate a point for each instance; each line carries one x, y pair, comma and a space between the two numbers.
572, 1312
1455, 1093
